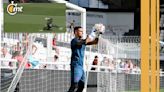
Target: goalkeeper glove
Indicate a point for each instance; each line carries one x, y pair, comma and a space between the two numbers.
97, 30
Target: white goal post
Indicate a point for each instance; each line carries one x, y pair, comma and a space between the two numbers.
77, 8
1, 25
74, 8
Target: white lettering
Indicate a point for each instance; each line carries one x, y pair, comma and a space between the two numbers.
15, 9
19, 9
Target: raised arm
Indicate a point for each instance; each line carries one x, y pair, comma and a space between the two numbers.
89, 41
93, 38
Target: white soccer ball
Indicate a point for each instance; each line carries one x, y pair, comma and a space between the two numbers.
99, 27
60, 28
46, 18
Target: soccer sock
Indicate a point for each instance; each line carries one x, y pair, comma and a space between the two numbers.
80, 86
73, 87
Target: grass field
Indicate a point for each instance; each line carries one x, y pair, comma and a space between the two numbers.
32, 19
161, 90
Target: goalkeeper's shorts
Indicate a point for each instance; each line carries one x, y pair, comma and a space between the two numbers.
77, 74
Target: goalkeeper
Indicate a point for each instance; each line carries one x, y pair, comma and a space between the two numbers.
78, 47
49, 25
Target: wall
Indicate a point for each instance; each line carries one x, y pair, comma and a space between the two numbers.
119, 22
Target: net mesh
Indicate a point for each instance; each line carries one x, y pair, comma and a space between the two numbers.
43, 64
55, 76
50, 76
44, 81
21, 68
120, 58
162, 81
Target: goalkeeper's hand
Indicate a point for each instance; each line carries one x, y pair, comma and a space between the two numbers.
97, 30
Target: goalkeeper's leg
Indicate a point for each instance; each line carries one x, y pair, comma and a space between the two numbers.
77, 78
80, 86
81, 83
73, 84
73, 87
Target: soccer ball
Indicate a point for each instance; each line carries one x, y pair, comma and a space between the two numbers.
60, 28
96, 31
100, 28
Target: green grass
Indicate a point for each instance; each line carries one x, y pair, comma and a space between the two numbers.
33, 18
161, 90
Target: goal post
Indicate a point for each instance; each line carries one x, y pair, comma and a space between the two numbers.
79, 9
22, 67
76, 8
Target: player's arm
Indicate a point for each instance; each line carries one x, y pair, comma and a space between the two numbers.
89, 41
80, 42
35, 49
94, 35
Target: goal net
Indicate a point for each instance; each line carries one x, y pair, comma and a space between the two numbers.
118, 68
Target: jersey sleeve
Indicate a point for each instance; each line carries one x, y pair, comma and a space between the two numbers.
77, 42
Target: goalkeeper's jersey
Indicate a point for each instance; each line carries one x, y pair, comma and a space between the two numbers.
78, 51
